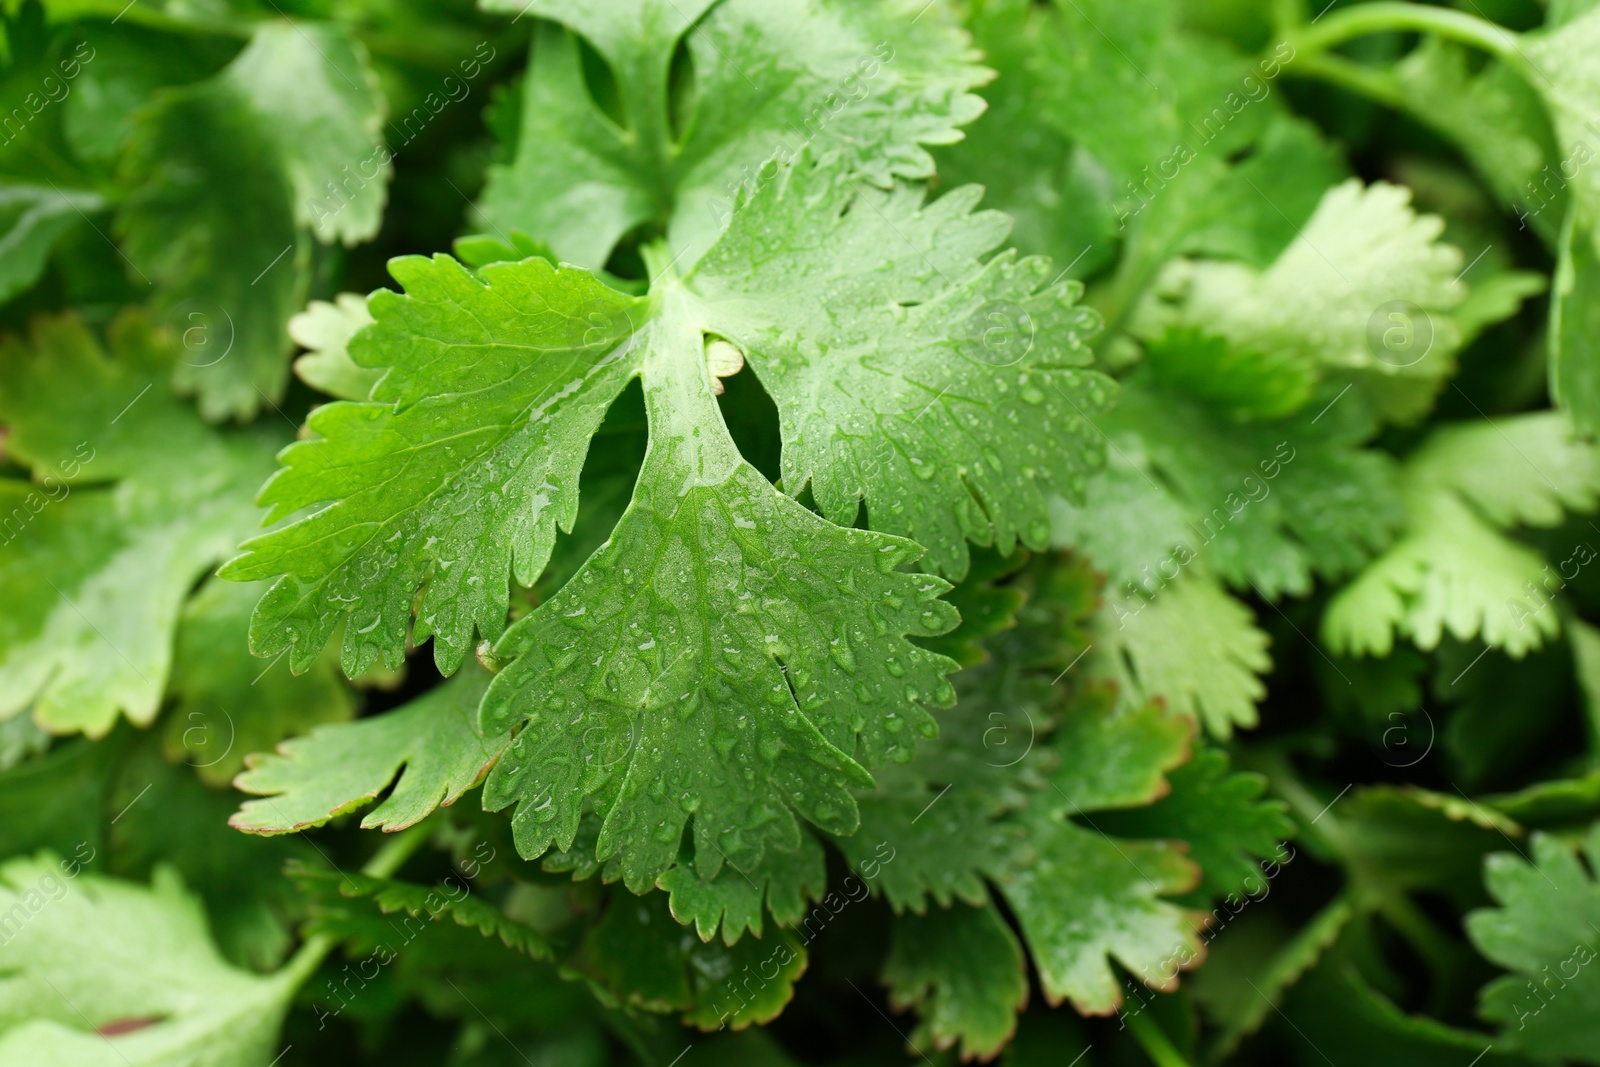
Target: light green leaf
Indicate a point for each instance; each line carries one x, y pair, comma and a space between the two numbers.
1546, 931
134, 498
1364, 293
873, 83
429, 749
325, 329
101, 972
1455, 570
1190, 644
962, 969
1568, 78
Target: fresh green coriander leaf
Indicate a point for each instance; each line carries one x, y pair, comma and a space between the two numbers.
31, 218
1086, 899
1546, 931
1264, 505
648, 960
1228, 825
1191, 644
962, 969
1569, 81
106, 972
451, 897
231, 178
874, 83
926, 387
429, 749
1492, 114
785, 881
1575, 325
454, 477
700, 514
134, 499
716, 595
325, 330
1365, 293
1455, 570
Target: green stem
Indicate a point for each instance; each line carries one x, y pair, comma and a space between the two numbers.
387, 860
1154, 1042
1377, 85
1364, 19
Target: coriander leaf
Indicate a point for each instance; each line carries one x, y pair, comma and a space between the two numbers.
1545, 932
1364, 292
134, 499
1265, 505
1574, 325
1044, 170
726, 653
1087, 898
962, 969
1455, 570
31, 218
317, 102
1228, 826
939, 825
650, 961
229, 704
429, 749
1404, 839
1569, 81
1490, 113
229, 181
454, 476
451, 897
733, 899
1239, 384
908, 372
325, 329
872, 83
110, 972
1190, 644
